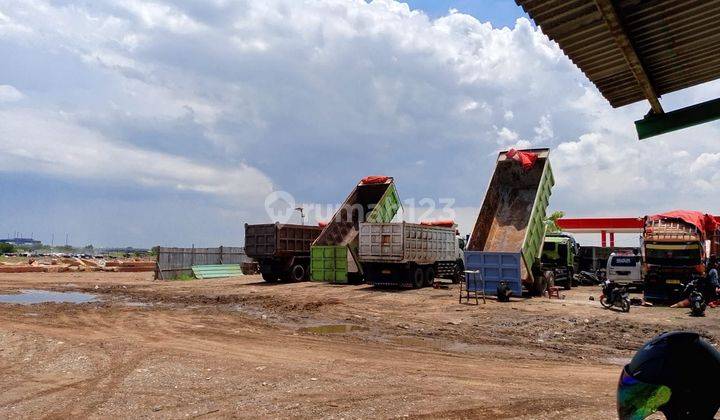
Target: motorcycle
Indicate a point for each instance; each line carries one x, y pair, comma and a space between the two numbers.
589, 278
615, 295
695, 297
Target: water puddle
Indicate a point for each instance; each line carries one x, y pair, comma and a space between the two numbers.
29, 297
333, 329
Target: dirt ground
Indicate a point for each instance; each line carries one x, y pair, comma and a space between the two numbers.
244, 348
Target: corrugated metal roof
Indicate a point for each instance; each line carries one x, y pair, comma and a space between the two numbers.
676, 40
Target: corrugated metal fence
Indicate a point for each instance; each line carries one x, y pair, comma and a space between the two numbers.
174, 262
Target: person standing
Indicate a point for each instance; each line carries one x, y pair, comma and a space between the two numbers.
712, 272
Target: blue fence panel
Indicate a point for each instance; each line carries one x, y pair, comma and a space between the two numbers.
495, 267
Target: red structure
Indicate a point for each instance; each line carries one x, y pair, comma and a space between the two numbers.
605, 226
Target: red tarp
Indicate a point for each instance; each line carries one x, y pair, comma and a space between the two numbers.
374, 179
527, 159
439, 223
704, 222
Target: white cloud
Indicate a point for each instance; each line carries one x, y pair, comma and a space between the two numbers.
315, 95
48, 144
10, 94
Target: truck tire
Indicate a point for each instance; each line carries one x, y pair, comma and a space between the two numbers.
416, 277
429, 276
573, 281
542, 282
355, 278
297, 272
270, 278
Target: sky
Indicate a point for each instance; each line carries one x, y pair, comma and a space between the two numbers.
138, 123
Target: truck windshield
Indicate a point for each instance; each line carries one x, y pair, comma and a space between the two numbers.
625, 261
674, 257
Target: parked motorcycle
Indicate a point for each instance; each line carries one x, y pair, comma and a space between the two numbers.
588, 278
695, 297
615, 295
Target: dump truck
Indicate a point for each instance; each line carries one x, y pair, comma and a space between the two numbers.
333, 256
560, 255
282, 251
507, 238
674, 246
408, 254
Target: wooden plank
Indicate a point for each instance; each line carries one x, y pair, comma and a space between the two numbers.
614, 24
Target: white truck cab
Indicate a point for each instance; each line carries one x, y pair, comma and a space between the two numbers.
625, 269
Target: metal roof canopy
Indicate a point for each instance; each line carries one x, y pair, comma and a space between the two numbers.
635, 50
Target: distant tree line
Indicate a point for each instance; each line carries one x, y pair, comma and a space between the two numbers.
7, 248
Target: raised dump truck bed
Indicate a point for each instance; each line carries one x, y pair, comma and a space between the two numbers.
281, 250
508, 234
334, 252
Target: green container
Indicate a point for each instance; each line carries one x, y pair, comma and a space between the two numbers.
329, 263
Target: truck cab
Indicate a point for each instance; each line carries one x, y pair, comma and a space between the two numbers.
560, 254
673, 252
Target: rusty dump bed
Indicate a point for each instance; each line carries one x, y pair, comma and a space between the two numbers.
505, 213
277, 240
344, 227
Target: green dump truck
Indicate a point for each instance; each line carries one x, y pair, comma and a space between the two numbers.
560, 254
507, 239
334, 254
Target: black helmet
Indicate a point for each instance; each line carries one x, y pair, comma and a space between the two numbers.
675, 373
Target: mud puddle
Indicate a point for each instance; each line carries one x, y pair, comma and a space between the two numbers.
29, 297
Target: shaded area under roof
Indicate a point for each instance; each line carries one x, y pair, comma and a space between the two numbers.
676, 42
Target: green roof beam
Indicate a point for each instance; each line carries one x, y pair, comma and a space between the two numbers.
656, 124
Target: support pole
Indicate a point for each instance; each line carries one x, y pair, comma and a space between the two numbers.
604, 239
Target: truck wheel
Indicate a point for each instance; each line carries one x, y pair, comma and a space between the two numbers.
573, 280
542, 281
297, 273
429, 276
355, 278
416, 277
269, 277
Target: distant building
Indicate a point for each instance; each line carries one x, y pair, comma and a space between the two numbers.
24, 242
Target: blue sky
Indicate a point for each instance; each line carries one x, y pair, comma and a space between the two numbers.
498, 12
138, 123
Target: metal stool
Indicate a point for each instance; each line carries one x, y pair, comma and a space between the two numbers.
470, 285
553, 291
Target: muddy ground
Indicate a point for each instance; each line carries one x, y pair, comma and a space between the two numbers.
244, 348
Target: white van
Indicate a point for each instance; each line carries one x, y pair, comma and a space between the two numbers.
625, 269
